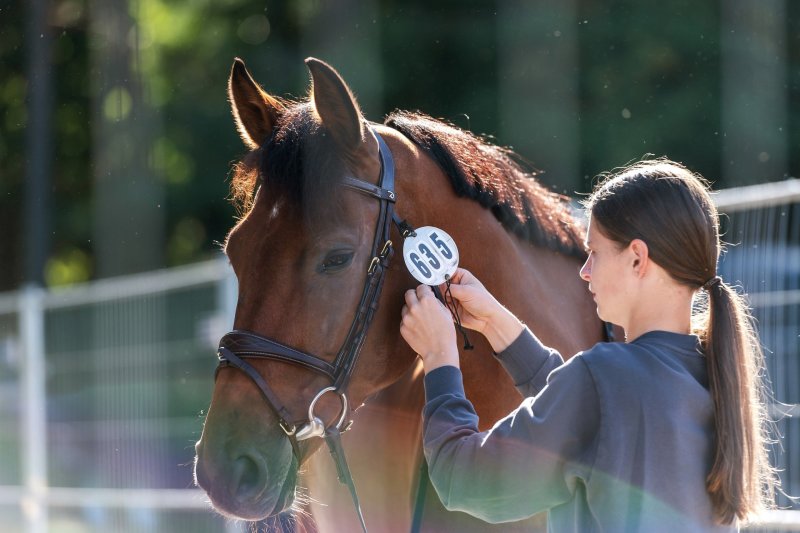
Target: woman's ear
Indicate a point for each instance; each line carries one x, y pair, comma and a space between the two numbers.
640, 255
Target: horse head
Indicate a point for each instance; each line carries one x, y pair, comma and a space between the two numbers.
300, 252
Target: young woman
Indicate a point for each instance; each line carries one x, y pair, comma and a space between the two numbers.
664, 432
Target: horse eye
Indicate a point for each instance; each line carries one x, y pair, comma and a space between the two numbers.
336, 261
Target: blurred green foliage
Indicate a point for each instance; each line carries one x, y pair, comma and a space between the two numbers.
648, 81
12, 144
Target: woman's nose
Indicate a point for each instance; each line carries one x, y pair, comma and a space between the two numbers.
586, 270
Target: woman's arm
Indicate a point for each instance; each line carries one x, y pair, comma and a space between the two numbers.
529, 362
528, 462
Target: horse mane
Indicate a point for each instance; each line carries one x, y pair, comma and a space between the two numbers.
301, 161
490, 175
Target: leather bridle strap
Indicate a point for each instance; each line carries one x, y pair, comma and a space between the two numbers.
227, 357
333, 438
248, 344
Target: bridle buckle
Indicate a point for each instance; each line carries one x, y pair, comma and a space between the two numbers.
373, 265
386, 250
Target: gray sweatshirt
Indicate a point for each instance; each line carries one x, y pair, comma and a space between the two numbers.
619, 438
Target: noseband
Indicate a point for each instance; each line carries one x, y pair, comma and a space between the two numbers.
237, 346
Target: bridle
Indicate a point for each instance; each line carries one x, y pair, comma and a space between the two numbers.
237, 346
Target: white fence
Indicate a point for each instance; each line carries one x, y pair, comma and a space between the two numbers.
103, 386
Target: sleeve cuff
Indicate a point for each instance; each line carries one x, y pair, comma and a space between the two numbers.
443, 380
524, 358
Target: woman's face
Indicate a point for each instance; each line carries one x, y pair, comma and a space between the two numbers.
606, 270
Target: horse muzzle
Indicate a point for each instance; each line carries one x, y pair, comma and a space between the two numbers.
245, 483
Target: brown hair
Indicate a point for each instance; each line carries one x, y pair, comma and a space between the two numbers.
668, 207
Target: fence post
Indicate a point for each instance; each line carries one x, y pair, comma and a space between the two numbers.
34, 415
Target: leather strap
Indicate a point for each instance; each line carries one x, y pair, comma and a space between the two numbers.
368, 188
227, 357
247, 344
333, 438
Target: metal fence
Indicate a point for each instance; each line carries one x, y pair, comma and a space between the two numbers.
103, 386
761, 225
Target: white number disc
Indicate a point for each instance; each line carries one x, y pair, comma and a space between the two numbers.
431, 256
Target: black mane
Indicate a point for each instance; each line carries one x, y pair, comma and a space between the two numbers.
489, 175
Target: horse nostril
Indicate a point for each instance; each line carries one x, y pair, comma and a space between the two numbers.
248, 477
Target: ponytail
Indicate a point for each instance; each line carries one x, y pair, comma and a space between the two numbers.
741, 482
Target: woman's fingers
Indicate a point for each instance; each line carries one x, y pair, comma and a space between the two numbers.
411, 297
423, 291
457, 290
458, 274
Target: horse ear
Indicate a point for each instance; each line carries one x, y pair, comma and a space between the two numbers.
336, 105
254, 111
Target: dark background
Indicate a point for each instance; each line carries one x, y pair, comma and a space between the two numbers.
116, 137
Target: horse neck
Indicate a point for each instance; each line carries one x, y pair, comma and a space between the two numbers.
539, 286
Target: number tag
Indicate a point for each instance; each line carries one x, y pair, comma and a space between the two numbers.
431, 256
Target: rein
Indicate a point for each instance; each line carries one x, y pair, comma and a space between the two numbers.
238, 345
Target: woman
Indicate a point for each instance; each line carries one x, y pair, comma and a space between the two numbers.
665, 432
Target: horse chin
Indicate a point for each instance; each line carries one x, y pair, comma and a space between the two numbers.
286, 496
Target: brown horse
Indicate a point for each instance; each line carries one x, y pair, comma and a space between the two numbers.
301, 252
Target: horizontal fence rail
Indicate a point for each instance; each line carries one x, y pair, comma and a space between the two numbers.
758, 196
120, 498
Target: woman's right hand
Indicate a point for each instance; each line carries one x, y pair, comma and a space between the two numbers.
480, 311
475, 305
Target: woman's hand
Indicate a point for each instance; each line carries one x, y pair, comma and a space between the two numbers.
475, 306
427, 327
479, 310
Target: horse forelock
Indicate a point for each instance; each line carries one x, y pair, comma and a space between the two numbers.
492, 176
300, 161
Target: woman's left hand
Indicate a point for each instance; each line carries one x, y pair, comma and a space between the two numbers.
427, 327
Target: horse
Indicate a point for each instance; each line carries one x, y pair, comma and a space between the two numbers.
311, 201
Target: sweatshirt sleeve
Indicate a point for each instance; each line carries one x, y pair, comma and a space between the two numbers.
529, 362
530, 461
